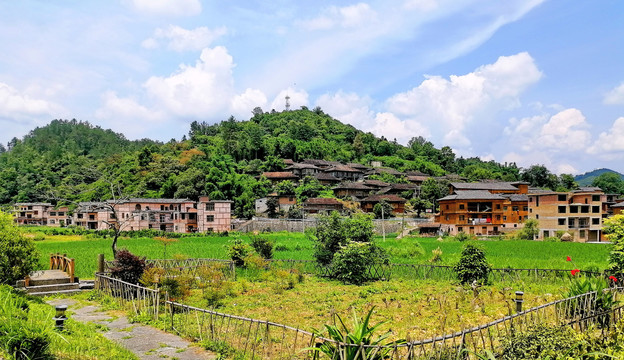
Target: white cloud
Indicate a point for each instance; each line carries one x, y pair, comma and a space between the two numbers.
389, 125
351, 16
464, 106
615, 96
242, 104
349, 108
180, 39
196, 91
565, 130
168, 7
610, 143
126, 115
566, 169
20, 106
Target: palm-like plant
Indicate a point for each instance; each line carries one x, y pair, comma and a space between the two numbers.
358, 343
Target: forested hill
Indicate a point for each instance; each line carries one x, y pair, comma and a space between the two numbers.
589, 177
77, 161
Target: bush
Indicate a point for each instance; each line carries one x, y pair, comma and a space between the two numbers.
406, 249
238, 251
462, 236
436, 255
614, 228
263, 246
18, 255
472, 265
351, 264
538, 342
128, 267
281, 247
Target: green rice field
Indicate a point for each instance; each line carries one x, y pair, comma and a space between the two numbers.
500, 254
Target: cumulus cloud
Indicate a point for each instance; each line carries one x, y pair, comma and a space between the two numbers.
346, 17
20, 106
349, 108
610, 143
458, 108
615, 96
180, 39
242, 104
167, 7
390, 126
297, 99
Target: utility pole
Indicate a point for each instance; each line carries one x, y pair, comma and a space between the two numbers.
383, 227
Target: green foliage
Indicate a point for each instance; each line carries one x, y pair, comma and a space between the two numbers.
128, 267
405, 249
330, 237
351, 264
382, 210
610, 183
472, 265
538, 342
462, 236
18, 255
540, 176
238, 251
614, 228
361, 333
272, 207
530, 230
263, 246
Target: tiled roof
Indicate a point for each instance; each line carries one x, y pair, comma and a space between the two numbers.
618, 205
519, 197
358, 166
484, 186
388, 198
417, 178
587, 189
386, 170
376, 183
353, 186
343, 168
472, 195
326, 177
416, 173
33, 204
279, 175
302, 166
151, 201
322, 201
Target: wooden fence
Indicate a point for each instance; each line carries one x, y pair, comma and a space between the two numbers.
185, 266
139, 299
267, 340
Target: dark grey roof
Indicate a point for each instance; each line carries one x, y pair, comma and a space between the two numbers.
519, 197
152, 201
302, 166
353, 186
587, 189
33, 204
484, 186
473, 195
326, 177
620, 204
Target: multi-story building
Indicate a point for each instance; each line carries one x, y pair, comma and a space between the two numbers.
41, 214
486, 208
579, 212
172, 215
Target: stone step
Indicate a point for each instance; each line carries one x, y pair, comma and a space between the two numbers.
52, 288
48, 293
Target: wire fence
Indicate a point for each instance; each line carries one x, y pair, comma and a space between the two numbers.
267, 340
185, 267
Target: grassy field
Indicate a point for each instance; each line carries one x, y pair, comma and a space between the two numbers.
500, 254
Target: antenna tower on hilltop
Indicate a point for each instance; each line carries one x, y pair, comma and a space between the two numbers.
287, 102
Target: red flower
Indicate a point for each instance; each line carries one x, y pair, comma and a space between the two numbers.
568, 258
613, 278
575, 271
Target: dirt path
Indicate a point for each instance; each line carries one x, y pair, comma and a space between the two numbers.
145, 341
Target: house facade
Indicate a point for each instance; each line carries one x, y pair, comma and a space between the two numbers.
579, 213
40, 213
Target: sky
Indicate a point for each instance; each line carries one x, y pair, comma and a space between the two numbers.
524, 81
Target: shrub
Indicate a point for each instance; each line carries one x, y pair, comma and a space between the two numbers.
462, 236
472, 265
436, 255
18, 255
538, 342
237, 251
281, 247
263, 246
351, 264
614, 228
406, 249
604, 301
128, 267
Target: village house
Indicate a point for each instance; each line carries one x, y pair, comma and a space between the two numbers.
485, 208
278, 176
397, 203
322, 206
39, 213
326, 179
353, 190
345, 172
579, 212
302, 170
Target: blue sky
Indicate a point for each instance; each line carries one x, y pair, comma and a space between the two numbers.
530, 81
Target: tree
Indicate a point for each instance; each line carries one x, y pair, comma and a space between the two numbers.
472, 265
419, 205
330, 237
540, 176
382, 210
530, 230
614, 230
272, 207
309, 187
567, 182
18, 255
610, 183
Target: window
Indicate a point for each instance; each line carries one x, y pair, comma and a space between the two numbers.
585, 209
460, 229
595, 221
546, 233
447, 207
526, 217
595, 209
52, 213
162, 207
504, 218
79, 216
61, 213
461, 206
574, 209
537, 216
562, 197
51, 221
582, 234
137, 207
497, 206
561, 221
561, 209
525, 208
209, 206
515, 208
462, 217
112, 215
595, 197
504, 208
448, 217
210, 218
498, 217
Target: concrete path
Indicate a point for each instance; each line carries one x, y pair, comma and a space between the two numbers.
144, 341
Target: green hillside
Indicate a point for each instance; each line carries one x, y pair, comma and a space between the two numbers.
588, 178
75, 160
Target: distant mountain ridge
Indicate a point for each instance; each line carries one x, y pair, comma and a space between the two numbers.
587, 178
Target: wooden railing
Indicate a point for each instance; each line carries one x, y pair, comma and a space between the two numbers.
135, 297
63, 263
